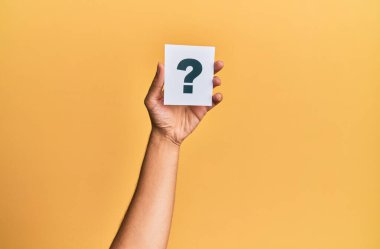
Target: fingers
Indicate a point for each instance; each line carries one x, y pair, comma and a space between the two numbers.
216, 99
218, 65
216, 81
155, 89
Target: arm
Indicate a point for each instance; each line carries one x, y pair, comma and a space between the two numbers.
147, 221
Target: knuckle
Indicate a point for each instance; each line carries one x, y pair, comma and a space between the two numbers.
148, 102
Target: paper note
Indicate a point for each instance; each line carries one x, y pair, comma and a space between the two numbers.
189, 71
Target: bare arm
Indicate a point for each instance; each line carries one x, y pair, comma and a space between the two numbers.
146, 224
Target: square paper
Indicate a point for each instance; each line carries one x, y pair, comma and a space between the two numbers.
181, 62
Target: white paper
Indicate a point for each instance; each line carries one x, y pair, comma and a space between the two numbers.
175, 78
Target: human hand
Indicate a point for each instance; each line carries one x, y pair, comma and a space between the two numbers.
176, 122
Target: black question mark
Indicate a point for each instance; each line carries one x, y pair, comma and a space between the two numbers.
197, 69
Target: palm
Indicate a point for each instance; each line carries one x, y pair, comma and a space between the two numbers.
177, 121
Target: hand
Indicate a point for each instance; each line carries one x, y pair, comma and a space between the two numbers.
176, 122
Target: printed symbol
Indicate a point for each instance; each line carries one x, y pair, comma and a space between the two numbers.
197, 69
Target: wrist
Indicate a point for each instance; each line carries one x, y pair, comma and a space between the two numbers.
161, 137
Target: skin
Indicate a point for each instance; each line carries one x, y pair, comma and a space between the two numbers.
146, 224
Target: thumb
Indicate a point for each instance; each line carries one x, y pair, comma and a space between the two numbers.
157, 83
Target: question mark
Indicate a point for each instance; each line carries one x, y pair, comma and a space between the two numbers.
197, 69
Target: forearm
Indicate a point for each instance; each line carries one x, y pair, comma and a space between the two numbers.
147, 221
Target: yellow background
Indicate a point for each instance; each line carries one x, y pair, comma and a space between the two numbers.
290, 159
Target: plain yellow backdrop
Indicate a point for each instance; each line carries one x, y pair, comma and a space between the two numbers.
290, 159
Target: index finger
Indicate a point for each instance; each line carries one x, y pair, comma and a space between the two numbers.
218, 65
